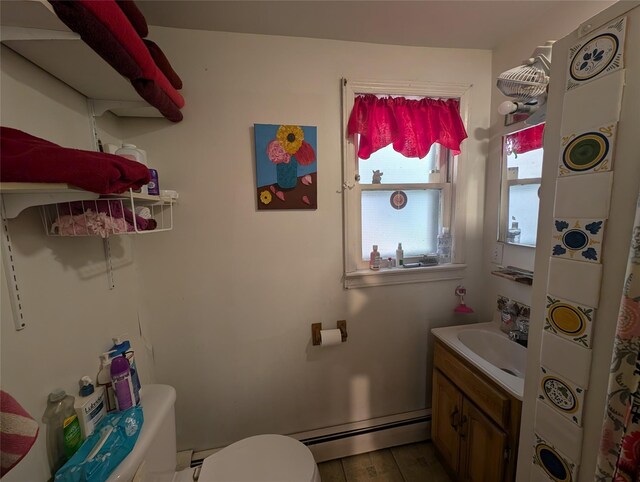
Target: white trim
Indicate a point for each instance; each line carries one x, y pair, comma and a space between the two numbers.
398, 276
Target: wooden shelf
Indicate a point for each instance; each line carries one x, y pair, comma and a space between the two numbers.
32, 29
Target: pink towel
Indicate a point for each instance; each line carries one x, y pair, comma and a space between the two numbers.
18, 432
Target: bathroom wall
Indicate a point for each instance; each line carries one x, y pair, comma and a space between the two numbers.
71, 314
230, 294
510, 53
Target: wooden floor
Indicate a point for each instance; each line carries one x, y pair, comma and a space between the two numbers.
407, 463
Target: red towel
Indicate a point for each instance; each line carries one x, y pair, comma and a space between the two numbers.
163, 64
26, 158
130, 9
18, 432
107, 30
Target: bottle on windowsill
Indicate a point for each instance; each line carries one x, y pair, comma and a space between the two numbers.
444, 247
374, 258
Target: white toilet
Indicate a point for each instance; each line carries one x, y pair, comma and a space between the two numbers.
263, 458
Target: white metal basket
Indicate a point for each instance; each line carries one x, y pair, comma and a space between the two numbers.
109, 216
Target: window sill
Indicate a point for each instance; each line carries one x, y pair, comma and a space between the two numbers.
398, 276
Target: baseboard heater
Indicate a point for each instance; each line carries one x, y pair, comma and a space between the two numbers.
373, 434
358, 437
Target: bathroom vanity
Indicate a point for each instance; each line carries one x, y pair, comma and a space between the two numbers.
478, 382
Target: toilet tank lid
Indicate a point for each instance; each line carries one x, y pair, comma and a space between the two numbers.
261, 458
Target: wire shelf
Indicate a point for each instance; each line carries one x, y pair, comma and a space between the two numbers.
109, 216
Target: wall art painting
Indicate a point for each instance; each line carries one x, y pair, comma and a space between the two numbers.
286, 166
557, 467
578, 239
600, 53
589, 151
570, 320
561, 394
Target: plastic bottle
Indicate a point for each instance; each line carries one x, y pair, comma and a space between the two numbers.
64, 436
399, 255
513, 234
122, 346
90, 406
122, 383
444, 247
103, 380
372, 258
130, 151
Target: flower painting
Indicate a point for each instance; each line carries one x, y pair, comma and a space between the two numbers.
286, 166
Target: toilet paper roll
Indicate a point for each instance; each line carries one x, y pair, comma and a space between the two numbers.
330, 337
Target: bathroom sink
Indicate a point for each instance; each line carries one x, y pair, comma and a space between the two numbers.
489, 350
498, 350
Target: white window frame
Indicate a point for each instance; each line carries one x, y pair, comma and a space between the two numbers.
355, 274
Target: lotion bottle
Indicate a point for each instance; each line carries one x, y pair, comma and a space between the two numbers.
90, 406
104, 381
372, 258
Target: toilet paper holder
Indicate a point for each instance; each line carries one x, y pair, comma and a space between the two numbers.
317, 327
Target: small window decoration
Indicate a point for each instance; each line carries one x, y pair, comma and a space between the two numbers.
398, 199
286, 166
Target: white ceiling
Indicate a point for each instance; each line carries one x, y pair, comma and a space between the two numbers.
447, 23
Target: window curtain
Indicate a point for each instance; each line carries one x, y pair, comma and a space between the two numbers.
412, 126
525, 140
619, 457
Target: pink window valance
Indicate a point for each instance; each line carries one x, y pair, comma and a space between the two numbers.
525, 140
412, 126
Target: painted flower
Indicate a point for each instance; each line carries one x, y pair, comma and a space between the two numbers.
561, 225
590, 253
305, 155
594, 227
290, 137
277, 154
628, 319
558, 250
631, 448
265, 197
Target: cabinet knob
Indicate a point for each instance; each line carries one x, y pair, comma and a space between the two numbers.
454, 418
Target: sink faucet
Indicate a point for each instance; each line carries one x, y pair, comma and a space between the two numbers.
521, 334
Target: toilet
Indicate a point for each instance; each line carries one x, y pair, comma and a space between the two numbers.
262, 458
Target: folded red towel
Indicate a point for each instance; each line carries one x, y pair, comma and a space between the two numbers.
26, 158
18, 432
163, 63
107, 30
133, 13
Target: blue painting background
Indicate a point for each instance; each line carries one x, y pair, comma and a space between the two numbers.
265, 169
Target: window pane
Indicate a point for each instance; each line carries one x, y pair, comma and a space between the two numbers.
523, 206
525, 166
396, 168
415, 226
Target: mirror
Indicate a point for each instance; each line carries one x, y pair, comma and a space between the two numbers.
521, 177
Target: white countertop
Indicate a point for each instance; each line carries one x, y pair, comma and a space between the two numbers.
449, 336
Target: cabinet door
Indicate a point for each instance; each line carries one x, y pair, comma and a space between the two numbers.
483, 445
446, 414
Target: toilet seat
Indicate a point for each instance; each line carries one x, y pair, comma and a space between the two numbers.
262, 458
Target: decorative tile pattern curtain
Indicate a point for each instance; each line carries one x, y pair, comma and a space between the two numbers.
619, 457
412, 126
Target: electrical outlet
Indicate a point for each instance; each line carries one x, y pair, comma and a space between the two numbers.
496, 254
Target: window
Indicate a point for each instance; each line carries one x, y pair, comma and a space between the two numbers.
521, 178
391, 198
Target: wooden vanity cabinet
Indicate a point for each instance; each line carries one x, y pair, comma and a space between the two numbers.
475, 424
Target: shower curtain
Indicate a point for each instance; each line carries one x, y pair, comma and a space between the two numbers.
619, 457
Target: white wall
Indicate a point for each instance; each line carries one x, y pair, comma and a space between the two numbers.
231, 293
70, 312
